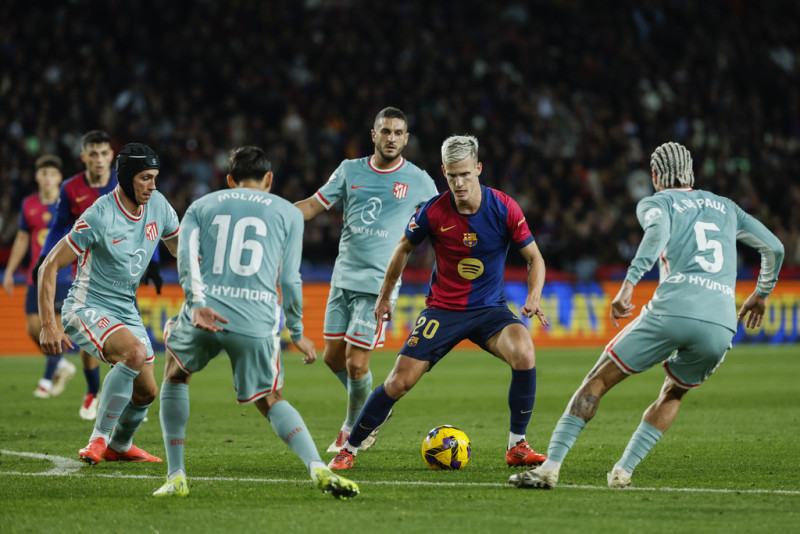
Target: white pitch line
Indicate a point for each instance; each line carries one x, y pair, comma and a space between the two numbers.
69, 467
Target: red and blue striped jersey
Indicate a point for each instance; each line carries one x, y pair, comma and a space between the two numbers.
34, 218
470, 250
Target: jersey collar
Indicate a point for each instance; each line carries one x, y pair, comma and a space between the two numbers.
125, 211
381, 171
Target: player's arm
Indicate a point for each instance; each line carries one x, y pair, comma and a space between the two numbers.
292, 287
310, 207
536, 275
656, 223
383, 304
52, 338
172, 245
753, 233
18, 250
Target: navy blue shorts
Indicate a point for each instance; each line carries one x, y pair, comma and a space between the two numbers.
32, 297
438, 331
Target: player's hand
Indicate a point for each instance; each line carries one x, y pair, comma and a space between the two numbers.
621, 306
8, 283
383, 312
753, 308
529, 309
207, 318
35, 270
54, 341
306, 346
153, 273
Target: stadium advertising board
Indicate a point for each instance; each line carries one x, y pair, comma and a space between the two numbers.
578, 314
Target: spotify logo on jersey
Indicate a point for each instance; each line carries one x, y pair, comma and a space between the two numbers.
470, 268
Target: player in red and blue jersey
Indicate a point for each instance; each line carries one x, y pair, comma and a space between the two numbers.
471, 228
34, 217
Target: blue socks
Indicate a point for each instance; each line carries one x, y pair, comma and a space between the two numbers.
342, 376
564, 437
51, 365
357, 393
174, 415
644, 439
290, 427
92, 380
117, 391
521, 397
373, 415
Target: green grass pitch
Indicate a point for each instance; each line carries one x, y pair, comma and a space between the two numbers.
728, 464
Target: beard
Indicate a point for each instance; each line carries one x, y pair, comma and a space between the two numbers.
392, 157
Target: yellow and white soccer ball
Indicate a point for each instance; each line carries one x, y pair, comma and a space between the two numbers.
446, 448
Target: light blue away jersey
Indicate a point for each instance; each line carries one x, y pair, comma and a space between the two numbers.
236, 247
377, 205
693, 233
114, 248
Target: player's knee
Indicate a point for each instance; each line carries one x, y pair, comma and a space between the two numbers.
524, 358
357, 370
144, 395
135, 356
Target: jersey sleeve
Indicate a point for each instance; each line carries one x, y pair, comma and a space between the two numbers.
171, 224
656, 223
290, 282
86, 231
753, 233
419, 226
59, 226
22, 222
333, 190
189, 274
517, 225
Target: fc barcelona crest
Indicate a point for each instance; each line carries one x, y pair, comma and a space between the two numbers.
151, 231
412, 341
470, 239
400, 190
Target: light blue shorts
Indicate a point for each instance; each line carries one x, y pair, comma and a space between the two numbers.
90, 328
689, 349
350, 315
255, 361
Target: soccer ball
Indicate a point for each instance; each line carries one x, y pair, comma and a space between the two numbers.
446, 447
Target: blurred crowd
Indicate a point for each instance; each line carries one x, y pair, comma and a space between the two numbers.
568, 99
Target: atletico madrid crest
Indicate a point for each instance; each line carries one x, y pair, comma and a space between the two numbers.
470, 239
151, 231
400, 190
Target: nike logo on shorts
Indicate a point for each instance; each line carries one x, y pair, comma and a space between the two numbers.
115, 241
355, 186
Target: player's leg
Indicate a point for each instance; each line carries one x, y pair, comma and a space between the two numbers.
57, 370
174, 416
513, 345
188, 350
44, 388
361, 339
404, 375
91, 372
337, 317
121, 447
702, 349
128, 355
580, 410
657, 419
